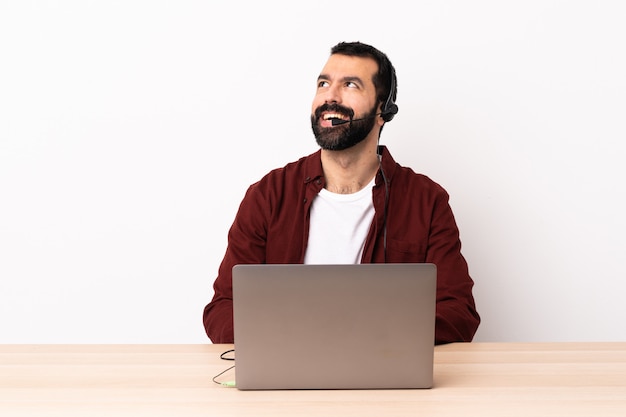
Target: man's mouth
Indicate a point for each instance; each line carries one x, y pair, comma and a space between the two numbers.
329, 117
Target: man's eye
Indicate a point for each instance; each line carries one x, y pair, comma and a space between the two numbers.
350, 84
322, 84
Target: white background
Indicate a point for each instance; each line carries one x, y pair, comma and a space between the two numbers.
130, 130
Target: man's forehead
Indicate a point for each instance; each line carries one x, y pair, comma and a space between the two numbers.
342, 66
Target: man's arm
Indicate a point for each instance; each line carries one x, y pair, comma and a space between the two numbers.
246, 245
457, 318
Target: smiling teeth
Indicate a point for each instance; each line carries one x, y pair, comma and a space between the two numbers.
332, 116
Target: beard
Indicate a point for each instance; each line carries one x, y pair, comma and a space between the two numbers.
338, 138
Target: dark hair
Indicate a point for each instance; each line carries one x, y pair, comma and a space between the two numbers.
386, 72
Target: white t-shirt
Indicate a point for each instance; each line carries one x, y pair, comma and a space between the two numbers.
339, 225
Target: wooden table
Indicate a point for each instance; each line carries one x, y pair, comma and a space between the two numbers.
477, 379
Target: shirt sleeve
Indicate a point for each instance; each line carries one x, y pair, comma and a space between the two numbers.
457, 319
246, 245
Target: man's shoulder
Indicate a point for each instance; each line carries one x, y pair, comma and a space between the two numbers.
415, 181
406, 176
408, 173
308, 166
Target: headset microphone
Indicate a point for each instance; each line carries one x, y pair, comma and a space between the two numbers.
337, 122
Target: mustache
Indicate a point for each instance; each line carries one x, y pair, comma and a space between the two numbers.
335, 108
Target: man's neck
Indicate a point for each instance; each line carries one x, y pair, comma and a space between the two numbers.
350, 170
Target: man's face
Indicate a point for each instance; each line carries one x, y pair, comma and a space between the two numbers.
345, 91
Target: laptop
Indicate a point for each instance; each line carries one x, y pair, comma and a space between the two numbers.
364, 326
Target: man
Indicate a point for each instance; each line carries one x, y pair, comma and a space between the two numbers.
349, 202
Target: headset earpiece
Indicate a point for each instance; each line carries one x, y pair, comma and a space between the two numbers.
388, 114
390, 108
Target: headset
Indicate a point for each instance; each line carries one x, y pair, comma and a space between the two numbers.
390, 108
